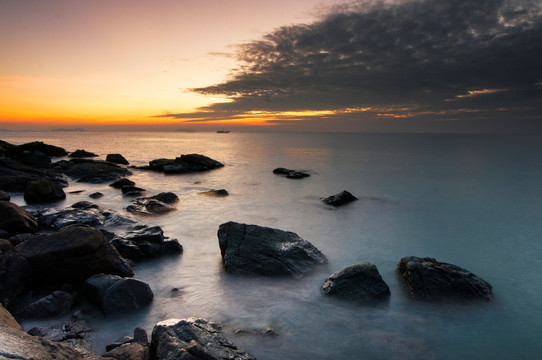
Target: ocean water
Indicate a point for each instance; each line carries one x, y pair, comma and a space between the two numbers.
471, 200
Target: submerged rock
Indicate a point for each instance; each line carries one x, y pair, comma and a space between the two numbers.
344, 197
82, 213
429, 279
291, 174
213, 192
193, 339
252, 249
361, 283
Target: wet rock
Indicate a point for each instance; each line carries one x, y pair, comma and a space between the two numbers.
84, 213
360, 283
429, 279
122, 182
4, 196
58, 303
145, 242
252, 249
213, 192
184, 164
130, 189
290, 174
91, 171
33, 158
165, 197
96, 195
15, 274
72, 255
119, 342
157, 207
344, 197
43, 190
76, 334
129, 351
82, 153
117, 294
154, 205
193, 339
140, 336
85, 205
16, 220
117, 159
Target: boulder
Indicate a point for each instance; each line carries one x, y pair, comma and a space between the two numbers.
95, 195
117, 294
32, 158
50, 150
429, 279
145, 242
72, 255
117, 159
344, 197
252, 249
43, 190
16, 220
91, 171
15, 274
82, 153
58, 303
82, 213
193, 339
140, 336
360, 283
165, 197
184, 164
122, 182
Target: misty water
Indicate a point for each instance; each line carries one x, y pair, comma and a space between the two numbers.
471, 200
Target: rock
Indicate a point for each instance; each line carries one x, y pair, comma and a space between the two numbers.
193, 339
129, 351
85, 213
76, 334
165, 197
33, 158
140, 336
157, 207
14, 176
291, 174
15, 274
91, 171
184, 164
339, 199
43, 190
213, 192
117, 294
19, 238
72, 255
156, 204
58, 303
16, 220
126, 189
145, 242
16, 344
122, 182
428, 279
119, 342
252, 249
4, 196
361, 283
7, 320
84, 205
50, 150
82, 153
96, 195
117, 159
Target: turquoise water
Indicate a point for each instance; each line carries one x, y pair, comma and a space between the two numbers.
470, 200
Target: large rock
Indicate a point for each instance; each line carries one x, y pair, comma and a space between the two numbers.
144, 242
58, 303
92, 171
184, 164
16, 220
193, 339
342, 198
7, 320
72, 255
78, 214
15, 274
117, 159
50, 150
14, 176
79, 153
252, 249
361, 283
117, 294
43, 190
429, 279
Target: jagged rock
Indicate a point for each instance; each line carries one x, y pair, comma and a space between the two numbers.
361, 282
85, 213
16, 220
82, 153
15, 274
252, 249
91, 171
56, 304
291, 174
117, 294
122, 182
72, 255
344, 197
213, 192
19, 238
117, 159
183, 164
145, 242
43, 190
429, 279
193, 339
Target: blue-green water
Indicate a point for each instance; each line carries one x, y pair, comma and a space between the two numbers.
470, 200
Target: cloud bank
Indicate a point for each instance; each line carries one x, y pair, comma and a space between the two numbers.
438, 59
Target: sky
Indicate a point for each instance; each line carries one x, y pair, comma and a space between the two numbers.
280, 65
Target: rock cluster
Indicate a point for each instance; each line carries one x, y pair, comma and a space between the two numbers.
184, 164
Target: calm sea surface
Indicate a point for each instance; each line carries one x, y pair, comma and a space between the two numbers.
471, 200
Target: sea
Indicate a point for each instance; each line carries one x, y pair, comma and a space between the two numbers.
472, 200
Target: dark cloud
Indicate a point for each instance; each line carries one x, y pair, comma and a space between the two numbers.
434, 56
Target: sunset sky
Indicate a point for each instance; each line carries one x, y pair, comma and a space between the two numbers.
303, 65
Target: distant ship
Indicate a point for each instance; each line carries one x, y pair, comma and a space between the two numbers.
223, 131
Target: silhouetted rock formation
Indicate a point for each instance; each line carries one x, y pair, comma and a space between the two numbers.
117, 159
82, 153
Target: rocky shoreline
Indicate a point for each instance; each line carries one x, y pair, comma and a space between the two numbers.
74, 253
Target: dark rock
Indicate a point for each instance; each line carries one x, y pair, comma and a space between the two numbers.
33, 158
14, 176
361, 283
119, 342
72, 255
117, 159
165, 197
252, 249
131, 189
140, 336
117, 294
129, 351
82, 153
76, 192
193, 339
122, 182
7, 320
77, 334
96, 195
281, 171
19, 238
43, 190
291, 174
184, 164
15, 274
56, 304
16, 220
154, 205
339, 199
157, 207
91, 171
428, 279
87, 214
146, 242
171, 247
213, 192
4, 196
85, 205
50, 150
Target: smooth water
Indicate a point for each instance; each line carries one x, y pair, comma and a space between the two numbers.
471, 200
